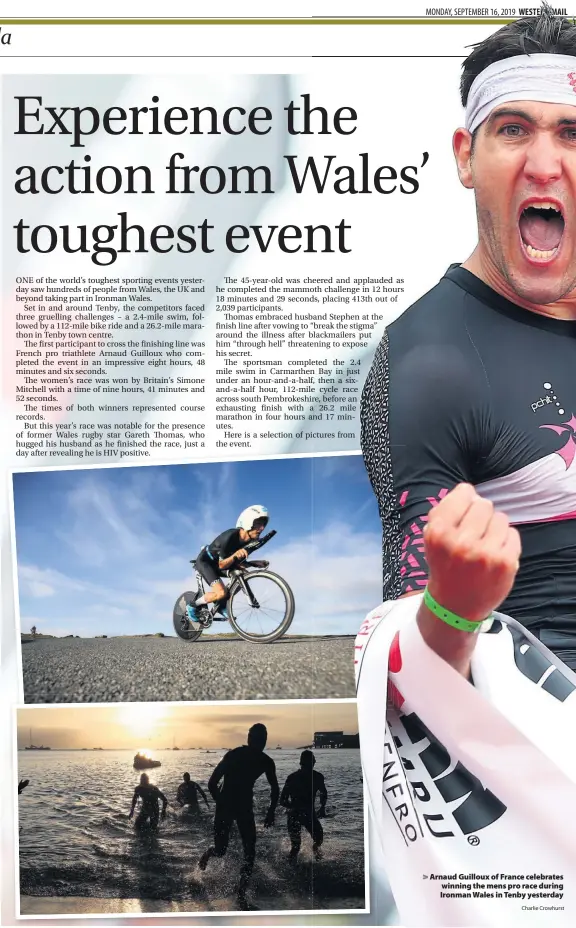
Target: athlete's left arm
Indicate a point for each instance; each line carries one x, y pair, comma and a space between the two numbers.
164, 801
202, 793
323, 793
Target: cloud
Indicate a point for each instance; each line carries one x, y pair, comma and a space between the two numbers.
37, 588
345, 466
335, 575
104, 522
127, 541
33, 581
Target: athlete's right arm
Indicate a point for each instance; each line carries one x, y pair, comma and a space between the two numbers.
134, 801
285, 794
425, 426
239, 555
216, 776
473, 554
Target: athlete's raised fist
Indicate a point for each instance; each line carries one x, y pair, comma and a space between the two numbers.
472, 553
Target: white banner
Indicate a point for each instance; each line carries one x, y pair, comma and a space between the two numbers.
472, 788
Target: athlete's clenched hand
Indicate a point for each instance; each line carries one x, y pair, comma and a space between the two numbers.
472, 553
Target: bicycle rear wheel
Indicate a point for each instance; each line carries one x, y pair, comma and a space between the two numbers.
267, 614
184, 628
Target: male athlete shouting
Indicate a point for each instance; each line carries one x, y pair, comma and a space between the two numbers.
469, 439
476, 382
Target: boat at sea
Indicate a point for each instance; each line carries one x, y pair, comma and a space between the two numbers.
143, 762
35, 747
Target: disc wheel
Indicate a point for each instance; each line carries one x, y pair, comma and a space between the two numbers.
184, 628
272, 615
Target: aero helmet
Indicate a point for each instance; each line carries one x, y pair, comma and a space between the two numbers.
252, 514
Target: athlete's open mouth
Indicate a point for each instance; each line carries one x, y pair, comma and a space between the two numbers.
541, 227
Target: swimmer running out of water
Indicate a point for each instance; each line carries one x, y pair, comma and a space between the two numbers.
150, 797
187, 794
298, 797
239, 769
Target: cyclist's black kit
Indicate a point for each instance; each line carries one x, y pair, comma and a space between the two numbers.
224, 546
467, 386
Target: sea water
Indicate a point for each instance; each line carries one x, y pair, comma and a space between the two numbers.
76, 838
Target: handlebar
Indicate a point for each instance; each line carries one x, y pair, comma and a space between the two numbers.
254, 545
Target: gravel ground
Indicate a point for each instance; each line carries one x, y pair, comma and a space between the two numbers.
167, 669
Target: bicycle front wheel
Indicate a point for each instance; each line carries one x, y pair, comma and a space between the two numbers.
266, 613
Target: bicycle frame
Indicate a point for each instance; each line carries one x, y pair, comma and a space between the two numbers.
237, 573
235, 580
238, 578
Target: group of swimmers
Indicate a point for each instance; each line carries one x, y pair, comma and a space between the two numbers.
231, 786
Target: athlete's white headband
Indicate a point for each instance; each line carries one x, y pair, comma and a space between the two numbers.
540, 78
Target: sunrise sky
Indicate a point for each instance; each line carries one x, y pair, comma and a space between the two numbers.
153, 726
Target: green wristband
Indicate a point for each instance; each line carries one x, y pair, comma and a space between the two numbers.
456, 621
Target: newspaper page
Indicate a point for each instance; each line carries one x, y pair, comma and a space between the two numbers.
210, 220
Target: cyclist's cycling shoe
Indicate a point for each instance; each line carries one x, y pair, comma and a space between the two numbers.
191, 612
204, 617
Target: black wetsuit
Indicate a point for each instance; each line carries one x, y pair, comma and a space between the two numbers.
150, 810
240, 768
298, 796
187, 795
467, 386
223, 547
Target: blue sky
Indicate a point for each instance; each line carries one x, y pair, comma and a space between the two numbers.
107, 551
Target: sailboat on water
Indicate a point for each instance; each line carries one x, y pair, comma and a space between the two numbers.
35, 747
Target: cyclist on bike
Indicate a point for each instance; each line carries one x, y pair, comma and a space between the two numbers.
223, 553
